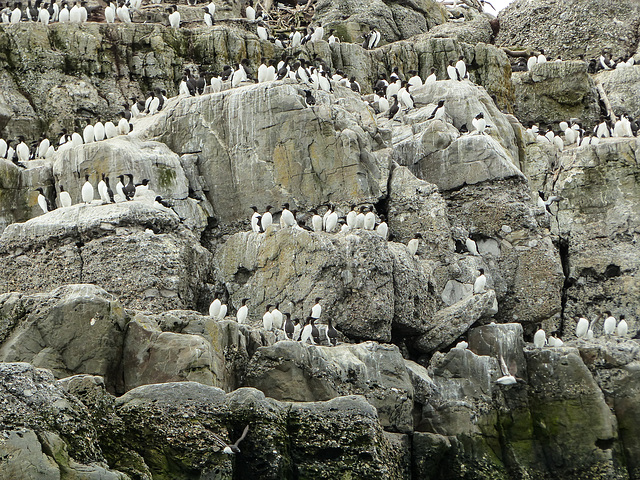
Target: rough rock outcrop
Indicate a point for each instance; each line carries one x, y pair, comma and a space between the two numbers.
621, 86
108, 245
293, 371
73, 329
554, 92
352, 272
331, 152
572, 27
47, 433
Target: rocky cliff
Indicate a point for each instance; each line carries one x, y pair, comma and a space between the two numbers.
112, 365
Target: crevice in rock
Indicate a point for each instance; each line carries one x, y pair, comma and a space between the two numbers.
563, 251
80, 244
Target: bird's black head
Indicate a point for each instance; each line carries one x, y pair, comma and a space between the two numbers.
417, 235
268, 207
441, 103
254, 208
286, 205
39, 189
317, 300
481, 270
244, 301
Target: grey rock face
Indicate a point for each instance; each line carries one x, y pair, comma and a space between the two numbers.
47, 430
352, 272
597, 219
108, 245
571, 28
620, 85
293, 371
331, 152
395, 20
554, 92
73, 329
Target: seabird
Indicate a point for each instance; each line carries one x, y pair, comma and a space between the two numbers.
609, 323
393, 110
102, 190
452, 71
432, 78
129, 190
255, 220
65, 198
382, 229
369, 220
307, 331
208, 18
480, 282
267, 319
315, 333
230, 449
43, 201
622, 328
277, 317
461, 67
332, 334
540, 338
438, 112
479, 123
174, 16
507, 378
250, 12
582, 327
316, 310
87, 190
214, 308
472, 246
413, 244
267, 219
289, 327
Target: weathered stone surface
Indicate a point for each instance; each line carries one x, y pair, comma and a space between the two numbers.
293, 371
126, 154
571, 397
352, 272
571, 28
40, 416
260, 146
416, 206
500, 339
599, 220
174, 423
108, 245
463, 101
73, 329
614, 365
554, 92
451, 322
519, 257
394, 20
153, 356
620, 86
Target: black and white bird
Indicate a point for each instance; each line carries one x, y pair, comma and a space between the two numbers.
461, 67
87, 191
43, 201
267, 218
65, 198
479, 123
174, 16
413, 244
480, 282
452, 71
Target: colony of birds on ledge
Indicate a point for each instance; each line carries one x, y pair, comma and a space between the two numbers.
391, 100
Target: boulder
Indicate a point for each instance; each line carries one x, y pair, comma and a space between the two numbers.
73, 329
416, 206
571, 28
134, 250
451, 322
352, 272
48, 432
554, 92
394, 20
153, 356
293, 371
523, 265
329, 152
175, 423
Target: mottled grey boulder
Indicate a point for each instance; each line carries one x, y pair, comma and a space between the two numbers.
73, 329
500, 339
134, 250
571, 28
153, 356
562, 390
522, 264
260, 145
554, 92
395, 20
352, 272
292, 371
17, 190
451, 322
48, 432
598, 219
